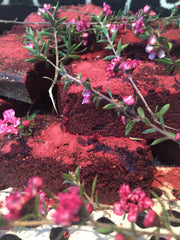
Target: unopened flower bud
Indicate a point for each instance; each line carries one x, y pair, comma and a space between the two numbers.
89, 208
26, 123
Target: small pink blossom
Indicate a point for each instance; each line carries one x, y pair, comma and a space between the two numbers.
146, 9
121, 27
68, 208
86, 97
129, 100
30, 45
10, 122
119, 236
112, 28
123, 119
177, 137
106, 9
129, 65
113, 64
149, 218
33, 186
152, 13
82, 24
85, 38
138, 26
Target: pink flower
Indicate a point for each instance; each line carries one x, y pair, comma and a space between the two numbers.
112, 28
138, 26
68, 207
106, 9
118, 209
10, 122
124, 191
177, 137
14, 204
26, 123
129, 100
86, 97
129, 65
154, 50
146, 9
45, 9
82, 25
85, 38
33, 186
119, 237
113, 64
30, 45
121, 26
149, 218
123, 119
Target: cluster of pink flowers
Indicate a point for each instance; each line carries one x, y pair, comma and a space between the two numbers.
106, 9
82, 24
16, 200
86, 96
67, 210
45, 9
113, 64
146, 10
133, 203
129, 64
138, 26
10, 122
154, 51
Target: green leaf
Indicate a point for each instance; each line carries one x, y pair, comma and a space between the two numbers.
110, 106
104, 230
93, 187
114, 35
77, 174
129, 127
141, 112
147, 121
109, 92
46, 48
124, 46
108, 47
110, 57
161, 119
158, 141
171, 134
73, 56
105, 21
102, 41
68, 177
31, 60
31, 117
164, 109
165, 61
151, 130
119, 48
